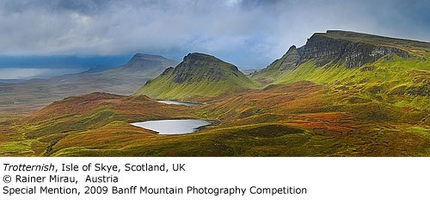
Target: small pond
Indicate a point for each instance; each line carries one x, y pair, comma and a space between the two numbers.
176, 126
180, 103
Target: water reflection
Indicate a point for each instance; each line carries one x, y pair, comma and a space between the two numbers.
180, 103
177, 126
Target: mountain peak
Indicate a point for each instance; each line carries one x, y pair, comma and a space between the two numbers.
201, 57
138, 57
199, 66
147, 56
148, 61
292, 48
197, 75
197, 55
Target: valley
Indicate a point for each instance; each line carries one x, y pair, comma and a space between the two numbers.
341, 94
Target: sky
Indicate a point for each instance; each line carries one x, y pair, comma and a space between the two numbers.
247, 33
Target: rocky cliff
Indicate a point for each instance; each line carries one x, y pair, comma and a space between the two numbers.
347, 50
326, 48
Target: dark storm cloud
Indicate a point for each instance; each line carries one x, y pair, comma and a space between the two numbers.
80, 6
87, 7
249, 33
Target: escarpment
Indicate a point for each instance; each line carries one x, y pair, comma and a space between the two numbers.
326, 49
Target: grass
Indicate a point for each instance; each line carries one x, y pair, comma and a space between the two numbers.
378, 109
293, 119
222, 142
21, 147
390, 80
297, 119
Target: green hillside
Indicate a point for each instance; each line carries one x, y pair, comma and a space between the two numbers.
341, 94
272, 72
198, 75
377, 68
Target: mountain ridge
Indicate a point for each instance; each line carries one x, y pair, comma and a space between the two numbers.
340, 48
373, 38
326, 48
390, 70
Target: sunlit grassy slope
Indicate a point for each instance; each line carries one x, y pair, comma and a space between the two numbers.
298, 119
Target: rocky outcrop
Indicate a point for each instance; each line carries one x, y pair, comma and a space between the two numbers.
419, 90
325, 49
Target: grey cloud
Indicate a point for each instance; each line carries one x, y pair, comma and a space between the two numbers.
247, 32
87, 7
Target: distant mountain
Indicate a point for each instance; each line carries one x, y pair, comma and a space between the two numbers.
122, 80
129, 77
198, 75
148, 62
140, 69
248, 71
99, 68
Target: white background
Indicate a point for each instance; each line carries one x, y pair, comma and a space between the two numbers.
324, 178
